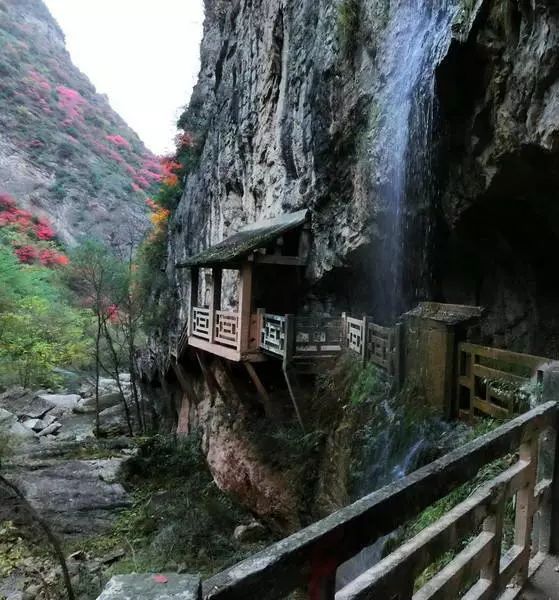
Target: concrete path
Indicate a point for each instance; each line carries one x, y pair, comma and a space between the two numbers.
545, 583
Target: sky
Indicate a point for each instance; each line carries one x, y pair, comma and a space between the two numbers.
144, 54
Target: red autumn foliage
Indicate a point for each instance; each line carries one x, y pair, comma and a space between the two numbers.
30, 229
51, 258
112, 313
44, 231
118, 140
26, 254
70, 101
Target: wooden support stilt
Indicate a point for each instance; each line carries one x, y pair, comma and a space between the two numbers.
291, 388
188, 394
262, 393
209, 377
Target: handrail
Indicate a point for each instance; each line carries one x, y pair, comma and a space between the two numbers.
317, 551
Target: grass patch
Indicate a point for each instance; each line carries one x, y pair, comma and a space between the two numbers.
349, 25
178, 517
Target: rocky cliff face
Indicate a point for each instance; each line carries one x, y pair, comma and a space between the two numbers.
64, 153
499, 94
291, 111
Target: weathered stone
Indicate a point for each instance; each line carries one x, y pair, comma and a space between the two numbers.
34, 424
147, 587
253, 532
107, 400
9, 425
50, 429
73, 495
63, 402
113, 420
26, 405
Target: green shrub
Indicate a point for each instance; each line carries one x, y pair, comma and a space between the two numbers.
349, 25
178, 515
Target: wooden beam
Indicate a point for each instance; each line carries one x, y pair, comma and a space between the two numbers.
278, 259
215, 300
262, 393
223, 351
194, 286
245, 305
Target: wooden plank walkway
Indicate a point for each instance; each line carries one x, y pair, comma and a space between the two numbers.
544, 585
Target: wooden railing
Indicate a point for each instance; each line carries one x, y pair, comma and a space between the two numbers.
200, 326
273, 334
355, 335
227, 328
496, 383
323, 337
317, 337
472, 532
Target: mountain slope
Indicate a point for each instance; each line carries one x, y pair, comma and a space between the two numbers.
64, 153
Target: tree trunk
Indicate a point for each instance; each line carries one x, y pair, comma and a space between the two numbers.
116, 363
97, 373
34, 517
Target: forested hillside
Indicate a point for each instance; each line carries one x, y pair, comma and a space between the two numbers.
64, 153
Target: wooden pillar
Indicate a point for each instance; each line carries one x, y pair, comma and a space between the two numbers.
215, 300
245, 305
194, 286
365, 339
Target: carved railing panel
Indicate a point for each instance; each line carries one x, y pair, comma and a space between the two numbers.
227, 328
273, 334
495, 382
355, 333
318, 336
380, 345
200, 323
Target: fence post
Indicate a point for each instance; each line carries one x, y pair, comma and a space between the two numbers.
365, 340
289, 338
550, 392
344, 343
260, 313
397, 348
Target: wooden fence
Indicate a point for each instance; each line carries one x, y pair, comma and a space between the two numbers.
496, 383
318, 337
481, 566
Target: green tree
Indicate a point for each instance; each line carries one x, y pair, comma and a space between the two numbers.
36, 336
96, 277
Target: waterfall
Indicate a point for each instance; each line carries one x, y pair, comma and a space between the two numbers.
417, 38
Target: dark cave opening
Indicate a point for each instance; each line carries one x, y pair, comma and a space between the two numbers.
500, 255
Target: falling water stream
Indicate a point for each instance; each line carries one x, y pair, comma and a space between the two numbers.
417, 38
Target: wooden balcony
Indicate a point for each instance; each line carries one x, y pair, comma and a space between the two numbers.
220, 332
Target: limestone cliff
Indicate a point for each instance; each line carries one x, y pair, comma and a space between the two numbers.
288, 112
303, 104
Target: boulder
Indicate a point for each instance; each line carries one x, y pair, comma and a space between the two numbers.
63, 403
113, 422
51, 429
25, 405
9, 425
152, 587
88, 405
253, 532
34, 424
72, 495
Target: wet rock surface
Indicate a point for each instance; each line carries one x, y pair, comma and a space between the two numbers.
152, 587
77, 497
